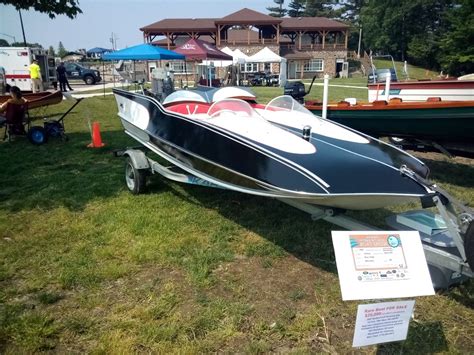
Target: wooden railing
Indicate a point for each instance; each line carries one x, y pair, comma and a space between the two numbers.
316, 47
251, 41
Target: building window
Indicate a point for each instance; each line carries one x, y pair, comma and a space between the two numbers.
314, 65
179, 67
249, 67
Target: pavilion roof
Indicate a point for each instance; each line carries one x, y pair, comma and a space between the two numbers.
182, 24
310, 23
248, 16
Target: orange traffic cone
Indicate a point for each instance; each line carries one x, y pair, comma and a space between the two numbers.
96, 139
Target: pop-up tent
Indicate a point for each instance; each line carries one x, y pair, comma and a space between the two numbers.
143, 52
240, 57
266, 55
197, 51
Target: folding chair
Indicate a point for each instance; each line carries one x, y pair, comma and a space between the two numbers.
16, 119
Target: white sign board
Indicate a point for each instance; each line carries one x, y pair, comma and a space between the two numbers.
382, 322
381, 264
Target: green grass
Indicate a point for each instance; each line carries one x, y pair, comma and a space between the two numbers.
414, 72
87, 267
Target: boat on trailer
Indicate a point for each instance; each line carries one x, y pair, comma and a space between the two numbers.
261, 150
281, 150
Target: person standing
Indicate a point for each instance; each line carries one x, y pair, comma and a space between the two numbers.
62, 77
35, 75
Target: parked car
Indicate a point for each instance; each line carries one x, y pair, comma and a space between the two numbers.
76, 71
263, 79
381, 75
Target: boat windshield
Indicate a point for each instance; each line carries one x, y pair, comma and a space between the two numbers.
233, 107
284, 108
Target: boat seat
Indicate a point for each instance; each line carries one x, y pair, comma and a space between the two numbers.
188, 108
343, 104
433, 99
395, 100
379, 103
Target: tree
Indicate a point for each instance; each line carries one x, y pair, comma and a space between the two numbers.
296, 8
4, 43
61, 50
51, 51
456, 54
407, 29
350, 12
69, 8
351, 9
277, 11
322, 8
21, 44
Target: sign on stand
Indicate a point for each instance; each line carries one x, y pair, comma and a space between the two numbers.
381, 264
382, 322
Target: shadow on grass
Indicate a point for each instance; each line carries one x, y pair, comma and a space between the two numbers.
426, 338
282, 225
451, 172
59, 173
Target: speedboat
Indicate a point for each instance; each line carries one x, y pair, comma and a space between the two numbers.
278, 150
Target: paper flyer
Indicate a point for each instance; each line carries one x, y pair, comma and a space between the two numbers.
381, 264
382, 322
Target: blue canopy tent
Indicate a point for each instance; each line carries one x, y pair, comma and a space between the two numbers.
142, 52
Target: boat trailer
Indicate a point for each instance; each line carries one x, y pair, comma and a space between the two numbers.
449, 252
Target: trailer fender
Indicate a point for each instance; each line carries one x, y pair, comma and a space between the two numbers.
138, 158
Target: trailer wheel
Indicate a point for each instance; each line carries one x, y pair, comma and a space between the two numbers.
37, 135
135, 178
469, 244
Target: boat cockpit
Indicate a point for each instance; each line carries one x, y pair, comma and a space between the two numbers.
231, 103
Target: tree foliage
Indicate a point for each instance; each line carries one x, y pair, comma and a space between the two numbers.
61, 50
51, 51
70, 8
321, 8
21, 44
457, 44
277, 11
435, 34
297, 8
4, 43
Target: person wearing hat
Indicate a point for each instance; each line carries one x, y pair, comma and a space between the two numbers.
35, 75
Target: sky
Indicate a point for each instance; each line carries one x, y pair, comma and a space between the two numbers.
101, 18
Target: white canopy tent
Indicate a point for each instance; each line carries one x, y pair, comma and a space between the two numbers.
266, 55
240, 57
237, 58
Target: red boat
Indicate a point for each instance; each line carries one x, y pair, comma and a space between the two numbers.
38, 99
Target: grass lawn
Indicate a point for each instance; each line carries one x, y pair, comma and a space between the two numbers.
87, 267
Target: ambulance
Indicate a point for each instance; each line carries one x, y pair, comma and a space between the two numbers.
16, 62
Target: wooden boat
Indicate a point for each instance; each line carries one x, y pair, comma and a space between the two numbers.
447, 123
421, 90
38, 99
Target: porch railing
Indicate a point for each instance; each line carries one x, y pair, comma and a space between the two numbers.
315, 47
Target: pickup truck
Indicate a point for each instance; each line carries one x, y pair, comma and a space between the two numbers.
76, 71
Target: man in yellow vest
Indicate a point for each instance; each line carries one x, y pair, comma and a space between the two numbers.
35, 75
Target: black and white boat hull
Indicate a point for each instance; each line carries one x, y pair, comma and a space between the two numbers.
250, 155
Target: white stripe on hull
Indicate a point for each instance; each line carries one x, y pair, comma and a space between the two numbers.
423, 94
